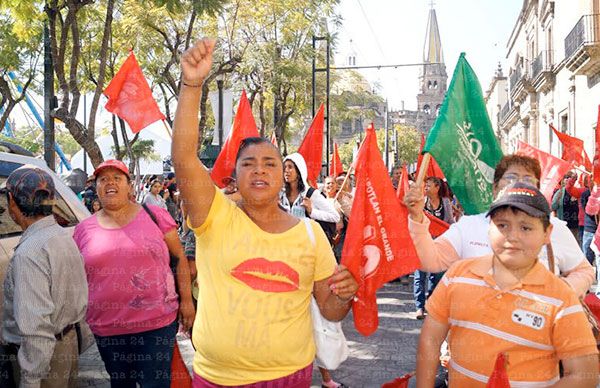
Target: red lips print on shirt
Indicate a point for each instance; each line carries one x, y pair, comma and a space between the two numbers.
269, 276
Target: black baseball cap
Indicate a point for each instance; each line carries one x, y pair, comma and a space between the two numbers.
524, 197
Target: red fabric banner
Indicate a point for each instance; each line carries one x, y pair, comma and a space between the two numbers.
274, 139
243, 126
400, 382
180, 376
499, 377
378, 247
436, 227
596, 161
433, 169
312, 147
553, 168
573, 150
130, 97
336, 167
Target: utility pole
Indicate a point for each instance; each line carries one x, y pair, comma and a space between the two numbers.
387, 136
49, 100
220, 121
316, 70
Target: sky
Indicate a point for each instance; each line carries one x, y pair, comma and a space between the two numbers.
393, 32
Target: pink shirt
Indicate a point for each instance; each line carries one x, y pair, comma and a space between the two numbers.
131, 287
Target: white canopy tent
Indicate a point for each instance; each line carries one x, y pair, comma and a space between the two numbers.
156, 132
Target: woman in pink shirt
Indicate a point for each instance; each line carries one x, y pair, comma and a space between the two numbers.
133, 304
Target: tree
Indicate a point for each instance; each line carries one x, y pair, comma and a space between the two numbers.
408, 139
277, 65
19, 56
263, 46
352, 97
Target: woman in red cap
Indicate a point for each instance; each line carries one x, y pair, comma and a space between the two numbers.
133, 305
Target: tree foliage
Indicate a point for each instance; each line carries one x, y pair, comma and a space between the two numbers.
408, 141
263, 46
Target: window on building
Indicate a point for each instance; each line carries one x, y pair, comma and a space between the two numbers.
429, 85
437, 110
564, 123
426, 109
435, 85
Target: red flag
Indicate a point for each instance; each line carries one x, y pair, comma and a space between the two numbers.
499, 377
311, 148
596, 162
336, 163
378, 247
433, 169
371, 127
400, 382
402, 185
436, 227
274, 139
243, 126
573, 150
180, 377
553, 168
130, 97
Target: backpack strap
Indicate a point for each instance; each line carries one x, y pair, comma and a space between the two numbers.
310, 231
310, 192
151, 215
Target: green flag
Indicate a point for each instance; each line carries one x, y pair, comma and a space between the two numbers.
463, 143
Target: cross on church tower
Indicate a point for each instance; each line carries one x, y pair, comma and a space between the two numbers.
431, 3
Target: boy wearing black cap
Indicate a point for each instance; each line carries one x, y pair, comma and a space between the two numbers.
507, 302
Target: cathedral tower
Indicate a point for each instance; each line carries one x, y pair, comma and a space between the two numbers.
433, 78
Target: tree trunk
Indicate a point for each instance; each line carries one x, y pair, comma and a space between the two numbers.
77, 130
115, 137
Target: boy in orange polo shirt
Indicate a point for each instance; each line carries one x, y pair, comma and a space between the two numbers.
507, 302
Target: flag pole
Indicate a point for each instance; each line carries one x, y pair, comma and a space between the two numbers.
167, 128
423, 169
350, 171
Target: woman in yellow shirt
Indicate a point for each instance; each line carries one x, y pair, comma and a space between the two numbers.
259, 265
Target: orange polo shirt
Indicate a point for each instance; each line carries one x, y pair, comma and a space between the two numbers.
536, 323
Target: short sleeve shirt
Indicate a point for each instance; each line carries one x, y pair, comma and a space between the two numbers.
253, 321
536, 323
131, 287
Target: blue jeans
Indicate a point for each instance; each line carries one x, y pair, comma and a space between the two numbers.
419, 290
144, 357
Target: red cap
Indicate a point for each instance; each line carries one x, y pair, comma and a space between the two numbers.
111, 163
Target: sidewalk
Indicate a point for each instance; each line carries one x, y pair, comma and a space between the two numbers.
387, 354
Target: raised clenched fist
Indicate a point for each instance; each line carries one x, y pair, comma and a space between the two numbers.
197, 61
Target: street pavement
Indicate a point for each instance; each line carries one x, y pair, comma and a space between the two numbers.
385, 355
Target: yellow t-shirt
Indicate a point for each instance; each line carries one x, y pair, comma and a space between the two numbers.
253, 321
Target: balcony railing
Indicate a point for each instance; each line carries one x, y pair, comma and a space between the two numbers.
515, 77
505, 111
586, 31
543, 62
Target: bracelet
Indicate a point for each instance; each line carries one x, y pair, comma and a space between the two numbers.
191, 85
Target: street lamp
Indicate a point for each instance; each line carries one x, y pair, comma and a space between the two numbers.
220, 118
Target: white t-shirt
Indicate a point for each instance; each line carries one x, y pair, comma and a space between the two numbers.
469, 237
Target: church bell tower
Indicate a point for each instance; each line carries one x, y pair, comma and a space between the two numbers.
432, 78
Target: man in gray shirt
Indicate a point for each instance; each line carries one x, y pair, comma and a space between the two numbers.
45, 289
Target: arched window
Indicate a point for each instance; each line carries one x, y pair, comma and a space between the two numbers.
426, 109
435, 84
429, 85
437, 110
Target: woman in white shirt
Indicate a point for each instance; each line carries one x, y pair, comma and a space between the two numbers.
154, 198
